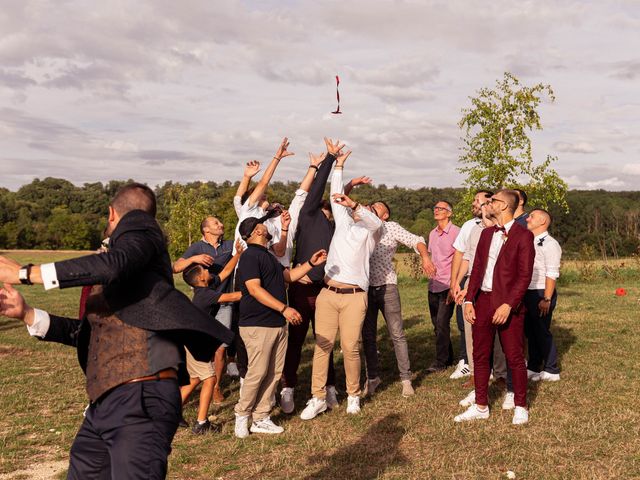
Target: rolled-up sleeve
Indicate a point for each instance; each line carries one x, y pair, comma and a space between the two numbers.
405, 237
40, 325
552, 257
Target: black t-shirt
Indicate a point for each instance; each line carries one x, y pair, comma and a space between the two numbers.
257, 262
206, 298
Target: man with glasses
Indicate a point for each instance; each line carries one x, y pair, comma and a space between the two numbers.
441, 304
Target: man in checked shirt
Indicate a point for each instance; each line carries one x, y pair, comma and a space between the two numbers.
384, 296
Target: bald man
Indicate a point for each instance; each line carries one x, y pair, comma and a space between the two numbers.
540, 300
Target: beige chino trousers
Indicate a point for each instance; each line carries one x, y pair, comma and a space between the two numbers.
344, 313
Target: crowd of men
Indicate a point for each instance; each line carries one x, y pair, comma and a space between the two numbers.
322, 262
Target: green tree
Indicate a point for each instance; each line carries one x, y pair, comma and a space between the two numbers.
187, 206
497, 149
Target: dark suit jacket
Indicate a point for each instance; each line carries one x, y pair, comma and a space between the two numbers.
513, 269
138, 288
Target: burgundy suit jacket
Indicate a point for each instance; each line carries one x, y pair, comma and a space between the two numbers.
513, 269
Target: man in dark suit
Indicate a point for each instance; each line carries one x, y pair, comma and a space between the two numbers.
129, 342
501, 274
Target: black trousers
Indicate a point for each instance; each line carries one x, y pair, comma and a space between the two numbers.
127, 434
543, 353
441, 313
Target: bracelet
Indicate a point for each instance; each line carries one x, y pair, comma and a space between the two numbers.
277, 158
310, 263
283, 309
284, 230
314, 166
355, 207
338, 167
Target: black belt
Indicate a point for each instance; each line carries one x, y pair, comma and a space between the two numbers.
344, 290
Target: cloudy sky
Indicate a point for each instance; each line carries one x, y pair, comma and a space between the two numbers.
188, 90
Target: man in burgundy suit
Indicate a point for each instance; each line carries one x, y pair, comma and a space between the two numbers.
500, 277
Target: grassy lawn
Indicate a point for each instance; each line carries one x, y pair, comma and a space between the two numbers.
585, 426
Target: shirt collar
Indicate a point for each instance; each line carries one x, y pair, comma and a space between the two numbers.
541, 236
508, 225
258, 246
219, 242
445, 229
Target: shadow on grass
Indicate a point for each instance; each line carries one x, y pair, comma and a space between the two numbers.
368, 457
10, 324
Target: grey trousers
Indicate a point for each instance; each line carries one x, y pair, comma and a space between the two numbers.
385, 298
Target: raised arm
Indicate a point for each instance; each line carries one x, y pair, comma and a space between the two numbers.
416, 242
280, 248
354, 182
314, 198
295, 274
262, 185
231, 264
250, 170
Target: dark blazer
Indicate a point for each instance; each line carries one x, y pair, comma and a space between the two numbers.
138, 288
513, 269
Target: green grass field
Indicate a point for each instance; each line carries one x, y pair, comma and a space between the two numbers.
585, 426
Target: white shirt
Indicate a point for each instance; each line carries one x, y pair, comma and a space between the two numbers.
462, 240
352, 243
41, 323
381, 262
497, 242
547, 261
472, 246
294, 211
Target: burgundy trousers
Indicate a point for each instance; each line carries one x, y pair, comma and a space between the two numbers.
511, 336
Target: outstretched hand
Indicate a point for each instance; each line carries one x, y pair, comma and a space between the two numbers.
333, 148
342, 157
239, 247
319, 257
12, 303
316, 160
9, 270
252, 168
342, 199
285, 219
282, 149
364, 180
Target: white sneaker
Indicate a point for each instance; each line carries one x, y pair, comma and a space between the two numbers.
549, 377
469, 400
331, 397
232, 369
472, 413
242, 426
353, 405
533, 376
407, 388
265, 426
286, 400
520, 416
462, 370
313, 408
371, 386
509, 401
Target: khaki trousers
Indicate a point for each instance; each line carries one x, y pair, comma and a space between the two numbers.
343, 312
266, 348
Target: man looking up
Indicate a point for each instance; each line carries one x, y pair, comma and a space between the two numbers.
441, 303
540, 299
342, 303
501, 273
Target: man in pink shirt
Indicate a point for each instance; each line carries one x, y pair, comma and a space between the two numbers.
441, 304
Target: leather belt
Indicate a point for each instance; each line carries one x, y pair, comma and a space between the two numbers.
344, 290
165, 374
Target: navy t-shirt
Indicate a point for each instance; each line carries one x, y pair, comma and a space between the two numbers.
257, 262
206, 298
220, 255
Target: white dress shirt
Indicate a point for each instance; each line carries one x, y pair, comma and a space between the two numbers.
472, 245
41, 323
547, 261
381, 263
352, 242
498, 240
462, 240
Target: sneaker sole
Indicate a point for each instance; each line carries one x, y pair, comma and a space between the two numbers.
262, 430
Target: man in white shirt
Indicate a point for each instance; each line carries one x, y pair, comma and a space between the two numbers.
460, 244
342, 303
540, 299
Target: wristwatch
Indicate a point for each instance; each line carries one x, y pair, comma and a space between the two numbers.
24, 274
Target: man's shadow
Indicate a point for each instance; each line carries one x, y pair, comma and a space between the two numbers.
368, 457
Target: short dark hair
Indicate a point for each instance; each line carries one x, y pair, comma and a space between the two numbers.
546, 212
246, 195
190, 275
512, 198
487, 193
205, 222
325, 204
134, 196
522, 196
385, 205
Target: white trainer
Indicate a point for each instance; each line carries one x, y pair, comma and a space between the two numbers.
509, 401
472, 413
286, 400
469, 400
314, 407
371, 386
242, 426
407, 388
549, 377
533, 376
331, 397
353, 405
232, 369
462, 370
520, 416
266, 426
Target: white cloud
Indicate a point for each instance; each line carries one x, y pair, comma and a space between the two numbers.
577, 147
613, 182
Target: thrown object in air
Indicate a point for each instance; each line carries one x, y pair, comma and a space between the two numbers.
337, 111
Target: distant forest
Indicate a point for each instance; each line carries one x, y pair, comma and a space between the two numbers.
55, 214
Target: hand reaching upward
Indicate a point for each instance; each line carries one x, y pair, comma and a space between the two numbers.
282, 150
252, 168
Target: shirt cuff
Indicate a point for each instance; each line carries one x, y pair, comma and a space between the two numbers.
49, 276
467, 301
41, 322
552, 274
301, 193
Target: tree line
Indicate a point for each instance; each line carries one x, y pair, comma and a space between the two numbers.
55, 214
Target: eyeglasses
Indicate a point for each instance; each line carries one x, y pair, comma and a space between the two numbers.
440, 209
491, 200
